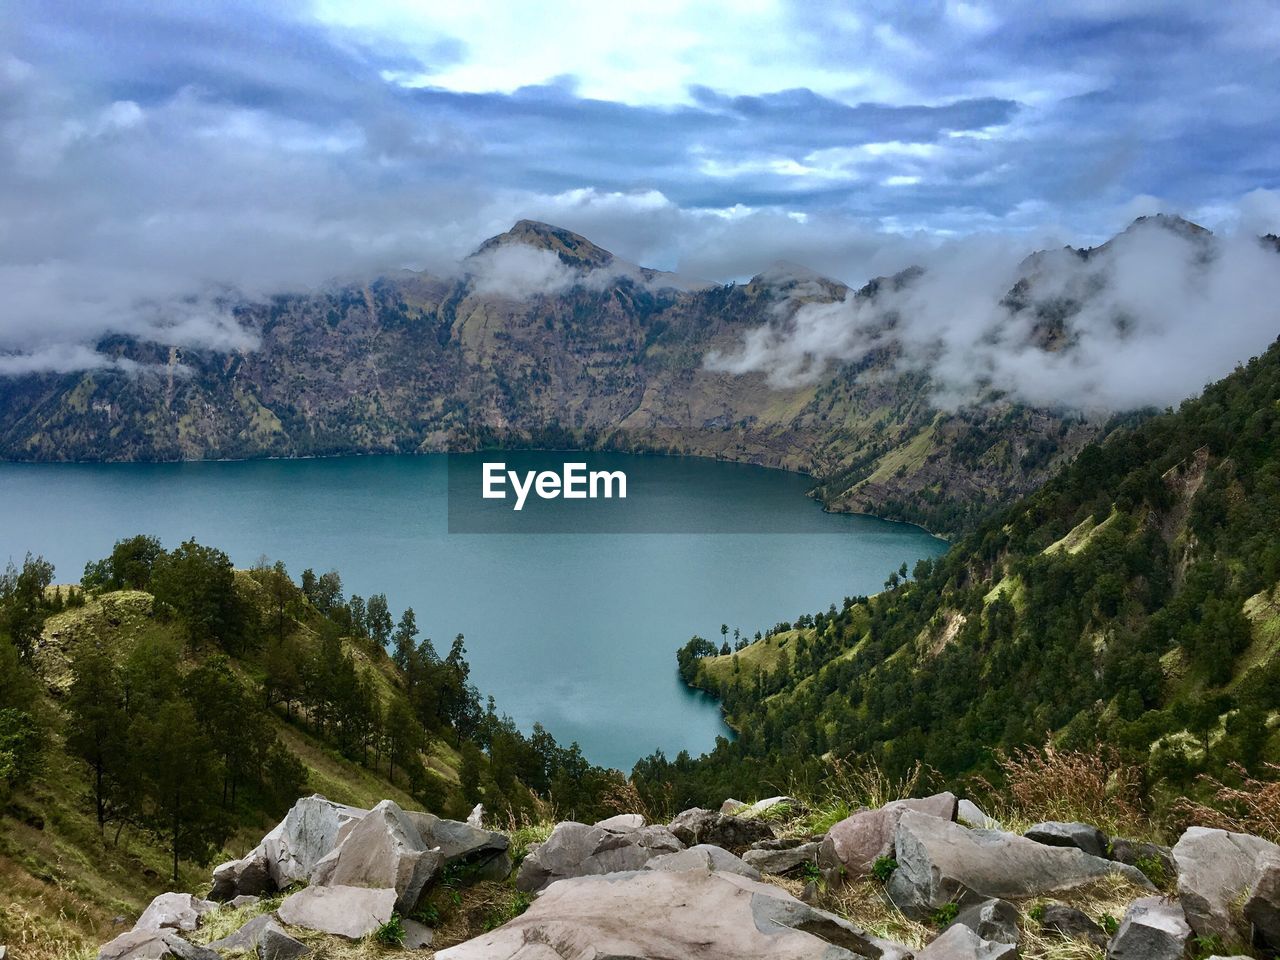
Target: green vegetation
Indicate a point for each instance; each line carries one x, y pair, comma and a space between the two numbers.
1131, 602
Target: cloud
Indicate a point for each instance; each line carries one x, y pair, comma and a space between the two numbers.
1147, 320
518, 271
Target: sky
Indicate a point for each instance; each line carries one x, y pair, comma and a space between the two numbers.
156, 157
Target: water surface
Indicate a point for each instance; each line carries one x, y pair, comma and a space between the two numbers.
577, 630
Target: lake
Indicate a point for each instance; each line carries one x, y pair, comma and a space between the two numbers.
575, 629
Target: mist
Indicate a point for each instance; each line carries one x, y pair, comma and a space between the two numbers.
1147, 320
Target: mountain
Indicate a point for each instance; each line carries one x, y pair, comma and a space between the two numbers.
1129, 608
547, 339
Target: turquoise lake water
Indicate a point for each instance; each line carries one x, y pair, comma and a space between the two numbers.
575, 629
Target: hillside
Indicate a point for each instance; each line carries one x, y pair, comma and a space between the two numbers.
546, 339
1130, 603
163, 716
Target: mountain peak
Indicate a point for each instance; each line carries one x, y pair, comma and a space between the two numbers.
572, 248
1171, 222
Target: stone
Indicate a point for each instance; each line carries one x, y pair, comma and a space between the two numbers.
382, 850
248, 876
1082, 836
576, 850
704, 857
4, 952
351, 912
1215, 870
482, 852
417, 936
653, 914
941, 862
991, 920
1262, 909
781, 808
622, 823
959, 942
244, 900
1145, 856
782, 862
174, 911
854, 844
1153, 928
247, 937
161, 944
735, 834
308, 832
971, 815
275, 944
732, 806
476, 817
1072, 924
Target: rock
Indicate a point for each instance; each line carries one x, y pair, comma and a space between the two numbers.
249, 876
476, 817
153, 945
484, 852
4, 952
1072, 924
1262, 909
731, 806
704, 857
971, 815
351, 912
1215, 870
244, 900
959, 942
781, 806
417, 936
308, 832
992, 920
1082, 836
174, 911
577, 850
384, 849
854, 844
1151, 858
941, 862
622, 823
654, 914
275, 944
735, 834
780, 862
246, 938
1153, 928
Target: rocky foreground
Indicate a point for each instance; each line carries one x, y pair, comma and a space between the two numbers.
710, 886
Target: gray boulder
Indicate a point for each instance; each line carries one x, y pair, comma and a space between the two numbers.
971, 815
247, 937
784, 861
732, 806
351, 912
275, 944
417, 936
476, 817
658, 915
483, 852
704, 857
153, 945
1262, 909
854, 844
382, 850
244, 900
771, 808
578, 850
991, 920
174, 911
1072, 924
1082, 836
941, 862
1215, 870
622, 823
698, 825
1154, 928
959, 942
248, 876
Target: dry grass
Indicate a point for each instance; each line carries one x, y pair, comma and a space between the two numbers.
850, 786
1052, 784
1252, 807
864, 903
623, 797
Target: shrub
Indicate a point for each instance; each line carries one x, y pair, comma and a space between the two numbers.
945, 914
883, 868
1252, 807
391, 933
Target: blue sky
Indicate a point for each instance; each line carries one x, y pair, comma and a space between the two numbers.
151, 149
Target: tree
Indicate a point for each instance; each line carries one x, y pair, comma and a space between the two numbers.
98, 722
129, 567
199, 584
378, 621
180, 773
404, 738
23, 606
406, 630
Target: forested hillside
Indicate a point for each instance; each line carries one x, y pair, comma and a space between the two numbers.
159, 716
1131, 606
